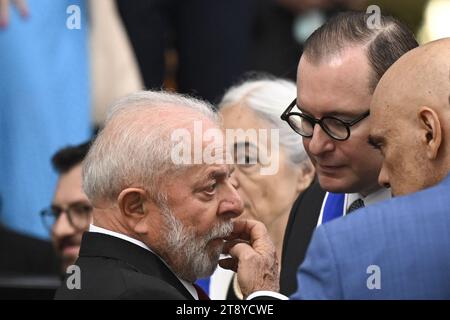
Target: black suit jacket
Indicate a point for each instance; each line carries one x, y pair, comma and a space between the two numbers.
300, 227
24, 255
112, 268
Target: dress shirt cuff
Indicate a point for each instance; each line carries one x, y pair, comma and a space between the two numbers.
271, 294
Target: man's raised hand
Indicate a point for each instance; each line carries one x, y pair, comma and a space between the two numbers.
253, 257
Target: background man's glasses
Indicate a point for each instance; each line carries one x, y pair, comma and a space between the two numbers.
78, 214
304, 125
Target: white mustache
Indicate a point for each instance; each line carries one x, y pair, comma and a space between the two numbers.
221, 230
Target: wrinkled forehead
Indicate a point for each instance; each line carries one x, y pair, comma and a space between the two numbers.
199, 174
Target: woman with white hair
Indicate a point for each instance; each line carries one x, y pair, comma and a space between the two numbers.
255, 106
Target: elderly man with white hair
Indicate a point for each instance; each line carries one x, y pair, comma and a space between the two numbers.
157, 226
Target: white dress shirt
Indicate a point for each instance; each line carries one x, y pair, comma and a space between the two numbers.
374, 197
189, 287
377, 196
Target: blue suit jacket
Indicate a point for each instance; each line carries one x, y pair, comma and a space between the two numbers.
407, 238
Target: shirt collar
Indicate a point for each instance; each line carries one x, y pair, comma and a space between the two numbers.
377, 196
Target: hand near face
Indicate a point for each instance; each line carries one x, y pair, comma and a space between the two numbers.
253, 257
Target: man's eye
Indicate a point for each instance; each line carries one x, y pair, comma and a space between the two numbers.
82, 209
374, 144
211, 188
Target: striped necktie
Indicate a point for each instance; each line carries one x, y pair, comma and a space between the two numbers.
358, 203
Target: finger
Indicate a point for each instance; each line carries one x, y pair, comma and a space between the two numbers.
4, 13
22, 6
239, 227
242, 229
240, 236
241, 250
251, 230
229, 244
229, 263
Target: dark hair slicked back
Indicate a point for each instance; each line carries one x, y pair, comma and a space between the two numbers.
385, 43
67, 158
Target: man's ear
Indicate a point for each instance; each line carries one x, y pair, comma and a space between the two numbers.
131, 202
432, 131
306, 176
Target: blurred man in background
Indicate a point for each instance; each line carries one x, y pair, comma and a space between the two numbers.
70, 212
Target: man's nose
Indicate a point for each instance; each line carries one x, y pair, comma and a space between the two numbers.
320, 142
62, 226
232, 205
383, 178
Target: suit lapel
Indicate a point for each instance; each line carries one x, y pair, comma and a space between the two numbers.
300, 227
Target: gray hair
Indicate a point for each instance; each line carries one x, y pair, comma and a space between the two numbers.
268, 97
134, 147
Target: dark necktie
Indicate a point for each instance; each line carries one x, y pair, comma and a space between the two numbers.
201, 294
358, 203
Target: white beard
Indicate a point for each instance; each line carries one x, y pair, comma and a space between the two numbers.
188, 254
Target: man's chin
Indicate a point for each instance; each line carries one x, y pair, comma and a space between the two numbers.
334, 184
215, 247
214, 250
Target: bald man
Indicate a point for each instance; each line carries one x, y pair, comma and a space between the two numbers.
410, 120
398, 249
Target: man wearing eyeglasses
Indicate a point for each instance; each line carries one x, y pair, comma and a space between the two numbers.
70, 212
398, 249
341, 65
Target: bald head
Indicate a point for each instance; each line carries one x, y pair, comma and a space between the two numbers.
410, 118
420, 77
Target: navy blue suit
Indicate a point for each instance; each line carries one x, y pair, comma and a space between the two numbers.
407, 238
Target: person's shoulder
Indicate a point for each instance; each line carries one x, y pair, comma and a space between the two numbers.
144, 287
93, 278
314, 191
24, 254
110, 279
393, 214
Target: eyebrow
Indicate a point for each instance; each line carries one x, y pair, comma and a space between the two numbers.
217, 174
337, 114
76, 202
